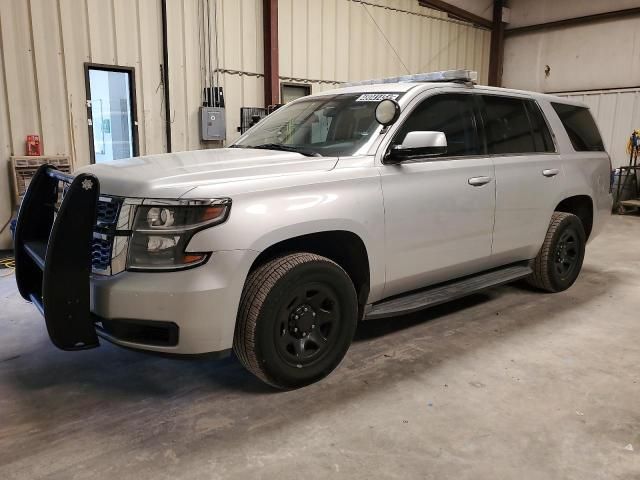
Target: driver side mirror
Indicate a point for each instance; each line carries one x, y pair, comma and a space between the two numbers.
418, 144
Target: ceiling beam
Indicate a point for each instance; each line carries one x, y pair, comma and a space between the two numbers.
456, 12
574, 21
271, 57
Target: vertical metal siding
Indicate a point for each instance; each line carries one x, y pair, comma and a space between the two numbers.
330, 41
42, 90
617, 113
44, 44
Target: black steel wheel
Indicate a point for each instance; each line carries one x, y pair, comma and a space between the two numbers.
558, 264
567, 254
296, 319
308, 321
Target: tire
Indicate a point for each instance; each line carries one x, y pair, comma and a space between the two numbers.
297, 317
558, 264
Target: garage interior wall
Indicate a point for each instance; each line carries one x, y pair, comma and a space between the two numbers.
45, 43
596, 62
330, 41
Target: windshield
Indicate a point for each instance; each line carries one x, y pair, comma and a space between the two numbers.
336, 125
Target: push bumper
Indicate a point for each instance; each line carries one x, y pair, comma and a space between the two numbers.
183, 312
53, 253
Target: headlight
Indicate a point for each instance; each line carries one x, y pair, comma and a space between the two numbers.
162, 230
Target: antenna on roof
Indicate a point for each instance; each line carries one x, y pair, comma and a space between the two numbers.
462, 76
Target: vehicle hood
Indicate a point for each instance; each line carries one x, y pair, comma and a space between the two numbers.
172, 175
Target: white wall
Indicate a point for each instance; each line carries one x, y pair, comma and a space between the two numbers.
338, 40
586, 60
604, 54
45, 43
532, 12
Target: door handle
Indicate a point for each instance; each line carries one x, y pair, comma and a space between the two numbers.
479, 181
550, 172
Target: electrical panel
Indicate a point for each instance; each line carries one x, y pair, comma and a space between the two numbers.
212, 123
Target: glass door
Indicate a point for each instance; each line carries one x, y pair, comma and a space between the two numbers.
113, 126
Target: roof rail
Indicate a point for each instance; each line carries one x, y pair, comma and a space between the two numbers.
463, 76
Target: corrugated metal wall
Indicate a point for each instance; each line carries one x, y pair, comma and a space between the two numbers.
233, 59
45, 43
339, 40
617, 113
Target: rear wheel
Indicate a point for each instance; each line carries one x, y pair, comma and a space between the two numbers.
557, 265
297, 316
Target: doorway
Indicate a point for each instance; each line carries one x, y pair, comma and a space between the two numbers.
111, 110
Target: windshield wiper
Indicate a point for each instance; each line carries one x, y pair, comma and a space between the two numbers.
286, 148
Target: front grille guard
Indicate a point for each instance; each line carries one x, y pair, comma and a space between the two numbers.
53, 253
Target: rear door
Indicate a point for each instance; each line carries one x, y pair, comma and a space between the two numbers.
528, 174
438, 209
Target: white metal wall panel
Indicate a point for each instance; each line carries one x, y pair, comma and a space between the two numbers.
74, 27
323, 42
45, 43
49, 76
240, 43
5, 152
151, 116
617, 113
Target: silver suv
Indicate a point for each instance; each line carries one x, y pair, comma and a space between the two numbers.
368, 201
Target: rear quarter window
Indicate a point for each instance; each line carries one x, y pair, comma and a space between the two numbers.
580, 126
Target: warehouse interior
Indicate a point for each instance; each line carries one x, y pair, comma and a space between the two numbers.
502, 383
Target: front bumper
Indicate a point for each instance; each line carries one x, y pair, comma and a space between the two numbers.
201, 302
185, 312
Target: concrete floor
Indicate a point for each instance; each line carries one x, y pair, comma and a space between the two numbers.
508, 384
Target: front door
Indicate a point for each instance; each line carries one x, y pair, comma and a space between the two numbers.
439, 209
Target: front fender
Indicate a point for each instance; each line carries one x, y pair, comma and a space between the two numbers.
260, 219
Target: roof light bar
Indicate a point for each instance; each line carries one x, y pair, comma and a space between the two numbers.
466, 76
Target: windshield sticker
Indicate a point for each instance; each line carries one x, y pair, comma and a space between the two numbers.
376, 97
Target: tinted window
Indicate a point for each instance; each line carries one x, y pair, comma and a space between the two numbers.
580, 127
506, 126
451, 114
541, 135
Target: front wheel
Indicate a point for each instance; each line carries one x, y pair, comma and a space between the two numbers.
296, 320
557, 265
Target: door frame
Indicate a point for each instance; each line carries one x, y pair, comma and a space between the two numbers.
131, 72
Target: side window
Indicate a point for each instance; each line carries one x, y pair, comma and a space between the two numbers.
580, 127
541, 135
449, 113
506, 125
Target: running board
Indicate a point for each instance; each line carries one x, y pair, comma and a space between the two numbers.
412, 302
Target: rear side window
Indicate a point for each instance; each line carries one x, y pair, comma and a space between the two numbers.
506, 126
580, 127
449, 113
541, 135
